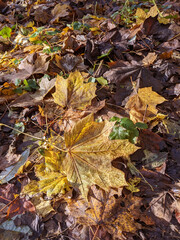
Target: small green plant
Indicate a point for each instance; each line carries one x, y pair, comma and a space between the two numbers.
27, 85
6, 32
124, 128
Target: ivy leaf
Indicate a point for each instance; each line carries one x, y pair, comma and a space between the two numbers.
89, 155
141, 125
73, 92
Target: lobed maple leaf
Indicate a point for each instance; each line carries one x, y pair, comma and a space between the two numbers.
103, 209
143, 105
52, 180
89, 155
73, 92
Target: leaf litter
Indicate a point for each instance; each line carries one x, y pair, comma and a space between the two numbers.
66, 70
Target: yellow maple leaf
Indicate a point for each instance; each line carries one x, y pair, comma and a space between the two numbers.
51, 180
142, 105
89, 155
141, 15
73, 92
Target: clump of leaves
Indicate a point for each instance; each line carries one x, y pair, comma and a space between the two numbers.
124, 128
84, 159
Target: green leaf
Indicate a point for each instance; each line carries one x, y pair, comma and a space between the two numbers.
30, 84
102, 81
114, 118
105, 54
141, 125
77, 25
92, 79
19, 126
127, 123
6, 32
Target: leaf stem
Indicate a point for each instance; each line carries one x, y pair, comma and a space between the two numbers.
29, 135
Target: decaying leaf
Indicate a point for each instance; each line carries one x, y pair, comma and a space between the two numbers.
143, 105
60, 11
72, 92
89, 155
106, 211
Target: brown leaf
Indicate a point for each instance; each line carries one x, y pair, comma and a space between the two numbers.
149, 59
106, 211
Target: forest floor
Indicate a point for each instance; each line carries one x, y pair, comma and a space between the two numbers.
90, 120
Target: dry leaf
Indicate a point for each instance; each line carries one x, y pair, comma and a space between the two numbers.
59, 11
72, 92
149, 59
89, 155
52, 180
30, 99
142, 106
141, 16
106, 211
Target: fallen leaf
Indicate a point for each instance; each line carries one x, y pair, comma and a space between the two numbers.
140, 15
30, 99
142, 105
59, 11
32, 64
10, 172
20, 206
43, 207
172, 128
72, 92
52, 180
149, 59
11, 231
106, 211
89, 155
154, 160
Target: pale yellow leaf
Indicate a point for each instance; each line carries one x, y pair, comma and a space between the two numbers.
142, 105
149, 59
89, 155
73, 92
51, 180
42, 207
140, 15
153, 11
